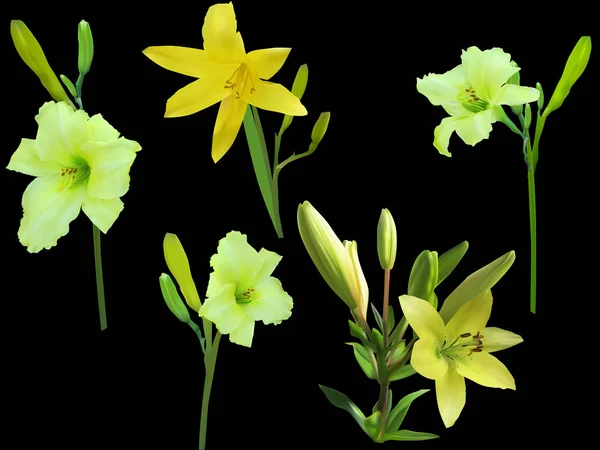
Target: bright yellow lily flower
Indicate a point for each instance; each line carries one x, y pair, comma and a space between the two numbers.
449, 353
473, 94
226, 74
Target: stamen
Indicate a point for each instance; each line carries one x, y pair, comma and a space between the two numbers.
471, 101
74, 176
240, 80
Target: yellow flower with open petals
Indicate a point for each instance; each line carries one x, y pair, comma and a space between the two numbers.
449, 353
226, 74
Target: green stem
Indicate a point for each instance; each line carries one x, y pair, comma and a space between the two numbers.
210, 361
384, 381
99, 278
533, 234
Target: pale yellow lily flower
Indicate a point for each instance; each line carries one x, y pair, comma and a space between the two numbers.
226, 74
449, 353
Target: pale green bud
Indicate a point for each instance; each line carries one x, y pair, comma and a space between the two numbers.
172, 298
319, 130
86, 47
298, 89
540, 102
386, 240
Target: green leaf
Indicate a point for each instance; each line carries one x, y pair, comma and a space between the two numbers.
407, 435
423, 276
450, 259
364, 361
377, 338
475, 284
397, 415
391, 321
378, 318
373, 425
336, 398
356, 331
402, 372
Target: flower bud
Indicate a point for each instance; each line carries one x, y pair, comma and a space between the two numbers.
32, 54
319, 130
575, 66
298, 89
172, 298
86, 47
337, 262
386, 240
540, 102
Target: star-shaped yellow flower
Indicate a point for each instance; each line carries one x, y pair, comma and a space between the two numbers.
226, 74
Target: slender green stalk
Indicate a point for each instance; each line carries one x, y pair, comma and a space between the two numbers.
384, 384
99, 278
533, 238
210, 361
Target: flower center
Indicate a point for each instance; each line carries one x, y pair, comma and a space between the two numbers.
74, 176
465, 343
240, 81
247, 296
471, 101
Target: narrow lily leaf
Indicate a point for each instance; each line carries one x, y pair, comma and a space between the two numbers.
260, 161
377, 338
378, 318
336, 398
373, 424
448, 261
390, 319
476, 284
356, 331
362, 357
402, 372
407, 435
576, 64
396, 417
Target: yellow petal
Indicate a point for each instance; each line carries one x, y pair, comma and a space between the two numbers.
485, 369
178, 264
221, 39
427, 360
471, 317
274, 97
26, 160
423, 318
223, 310
451, 394
187, 61
444, 89
244, 333
512, 95
267, 62
487, 70
198, 95
102, 212
495, 339
229, 120
471, 129
360, 287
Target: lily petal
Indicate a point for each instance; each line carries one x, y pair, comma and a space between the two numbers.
512, 95
229, 120
178, 264
270, 260
273, 304
451, 393
423, 318
199, 94
223, 311
268, 61
471, 129
485, 369
102, 212
495, 339
235, 262
109, 164
487, 70
444, 90
274, 97
48, 209
244, 333
361, 288
26, 160
221, 39
427, 360
471, 317
61, 132
100, 130
184, 60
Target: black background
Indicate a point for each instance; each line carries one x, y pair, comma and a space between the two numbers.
139, 383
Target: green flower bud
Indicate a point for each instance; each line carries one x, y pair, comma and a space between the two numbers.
86, 47
319, 130
32, 54
386, 240
575, 66
172, 298
298, 89
423, 276
540, 102
527, 120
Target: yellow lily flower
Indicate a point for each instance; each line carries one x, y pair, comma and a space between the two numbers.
226, 74
449, 353
473, 94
